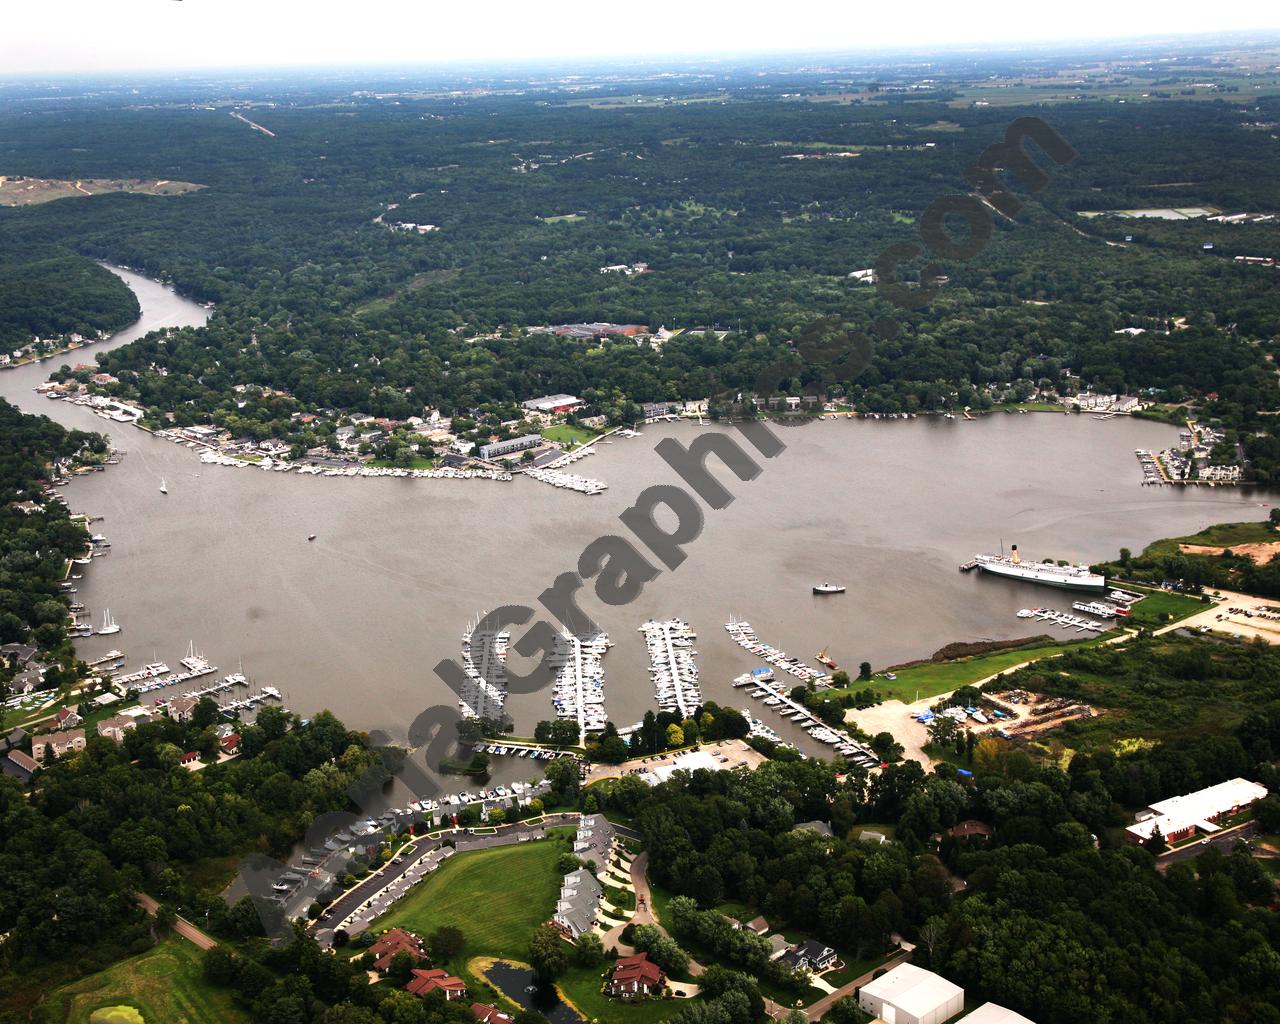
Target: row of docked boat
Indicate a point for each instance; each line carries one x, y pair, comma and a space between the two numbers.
522, 750
1066, 621
212, 457
484, 660
569, 481
745, 637
578, 692
775, 695
569, 458
672, 667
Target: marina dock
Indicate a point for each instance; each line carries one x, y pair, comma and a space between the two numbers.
578, 694
569, 481
484, 658
1067, 621
776, 696
671, 665
744, 636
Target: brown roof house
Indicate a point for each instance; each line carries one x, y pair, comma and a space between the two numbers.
635, 976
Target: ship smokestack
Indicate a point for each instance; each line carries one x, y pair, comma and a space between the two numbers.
1016, 558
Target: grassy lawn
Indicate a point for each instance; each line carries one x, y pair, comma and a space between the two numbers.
1160, 607
566, 433
164, 984
945, 676
497, 897
419, 462
856, 968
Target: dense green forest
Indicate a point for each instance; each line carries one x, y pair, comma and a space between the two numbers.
118, 819
34, 545
320, 296
51, 294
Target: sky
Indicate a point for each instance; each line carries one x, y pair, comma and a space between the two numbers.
68, 36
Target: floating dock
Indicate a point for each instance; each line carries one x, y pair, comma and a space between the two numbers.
484, 659
578, 694
744, 636
671, 665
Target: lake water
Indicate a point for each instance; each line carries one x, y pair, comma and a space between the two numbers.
355, 621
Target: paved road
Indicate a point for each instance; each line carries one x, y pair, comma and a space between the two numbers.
419, 861
1226, 843
183, 927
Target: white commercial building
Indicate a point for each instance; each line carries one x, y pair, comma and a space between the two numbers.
1180, 817
911, 995
991, 1013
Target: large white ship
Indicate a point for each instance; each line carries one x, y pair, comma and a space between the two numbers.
1070, 577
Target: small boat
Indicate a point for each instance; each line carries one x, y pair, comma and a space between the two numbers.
311, 536
822, 659
828, 588
163, 488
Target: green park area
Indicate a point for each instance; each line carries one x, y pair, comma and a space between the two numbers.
496, 897
164, 985
568, 434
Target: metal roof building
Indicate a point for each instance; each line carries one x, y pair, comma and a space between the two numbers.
911, 995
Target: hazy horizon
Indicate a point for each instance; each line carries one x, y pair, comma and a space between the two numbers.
161, 36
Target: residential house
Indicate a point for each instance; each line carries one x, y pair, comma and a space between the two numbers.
190, 757
180, 709
971, 829
27, 508
486, 1014
635, 976
811, 956
759, 926
57, 743
392, 942
26, 682
778, 946
19, 765
15, 739
423, 983
16, 655
115, 727
230, 744
594, 840
579, 903
817, 827
67, 718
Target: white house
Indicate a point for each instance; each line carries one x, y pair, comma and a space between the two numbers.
911, 995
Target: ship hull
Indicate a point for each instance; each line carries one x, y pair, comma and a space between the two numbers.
1085, 584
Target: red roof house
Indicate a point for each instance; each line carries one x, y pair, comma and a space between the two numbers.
487, 1014
423, 983
635, 976
393, 941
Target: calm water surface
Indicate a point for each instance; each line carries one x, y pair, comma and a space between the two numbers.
355, 621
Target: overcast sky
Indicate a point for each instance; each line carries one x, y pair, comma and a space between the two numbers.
59, 36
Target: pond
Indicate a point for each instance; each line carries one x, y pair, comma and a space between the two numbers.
517, 983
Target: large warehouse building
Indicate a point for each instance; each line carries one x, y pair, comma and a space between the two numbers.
911, 995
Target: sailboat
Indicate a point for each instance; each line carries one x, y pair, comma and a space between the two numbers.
163, 488
109, 624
